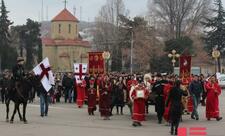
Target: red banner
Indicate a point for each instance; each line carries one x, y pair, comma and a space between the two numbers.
185, 66
96, 63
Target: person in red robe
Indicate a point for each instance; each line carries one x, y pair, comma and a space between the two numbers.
131, 83
139, 96
212, 99
98, 80
81, 85
166, 91
105, 99
186, 100
92, 96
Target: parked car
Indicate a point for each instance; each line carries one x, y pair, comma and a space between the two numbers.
221, 80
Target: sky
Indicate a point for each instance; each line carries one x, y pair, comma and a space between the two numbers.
20, 10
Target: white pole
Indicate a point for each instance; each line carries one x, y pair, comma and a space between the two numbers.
131, 52
42, 10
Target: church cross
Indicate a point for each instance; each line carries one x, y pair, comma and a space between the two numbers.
65, 2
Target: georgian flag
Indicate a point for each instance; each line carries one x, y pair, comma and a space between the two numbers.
43, 70
80, 70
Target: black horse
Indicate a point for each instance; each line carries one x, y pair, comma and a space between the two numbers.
19, 95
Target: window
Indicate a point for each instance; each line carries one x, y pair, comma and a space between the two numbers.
76, 28
69, 28
59, 28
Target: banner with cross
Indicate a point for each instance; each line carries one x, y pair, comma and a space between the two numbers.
43, 70
80, 70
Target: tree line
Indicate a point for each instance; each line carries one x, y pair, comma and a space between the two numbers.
192, 27
20, 40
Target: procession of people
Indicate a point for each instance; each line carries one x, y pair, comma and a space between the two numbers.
171, 95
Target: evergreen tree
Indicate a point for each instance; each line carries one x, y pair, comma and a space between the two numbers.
215, 37
183, 45
5, 48
32, 43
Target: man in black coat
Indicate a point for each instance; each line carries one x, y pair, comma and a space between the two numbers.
18, 70
67, 84
159, 100
4, 85
175, 97
195, 89
18, 73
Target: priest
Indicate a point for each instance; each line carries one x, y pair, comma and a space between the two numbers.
105, 98
92, 96
139, 96
212, 99
81, 85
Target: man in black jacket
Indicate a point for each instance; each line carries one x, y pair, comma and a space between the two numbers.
67, 84
175, 98
4, 84
160, 103
18, 72
195, 89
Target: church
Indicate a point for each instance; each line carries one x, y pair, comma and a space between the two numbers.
64, 46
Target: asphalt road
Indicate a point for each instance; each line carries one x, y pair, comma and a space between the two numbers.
68, 120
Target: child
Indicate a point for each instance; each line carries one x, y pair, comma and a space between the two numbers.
92, 95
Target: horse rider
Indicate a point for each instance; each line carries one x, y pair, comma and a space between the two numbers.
18, 72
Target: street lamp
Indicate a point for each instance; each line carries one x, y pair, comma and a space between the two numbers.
131, 46
216, 55
106, 56
173, 55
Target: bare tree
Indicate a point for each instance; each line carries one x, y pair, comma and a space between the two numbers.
107, 23
107, 29
180, 17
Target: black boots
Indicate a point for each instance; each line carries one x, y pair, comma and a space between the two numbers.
136, 124
219, 118
172, 132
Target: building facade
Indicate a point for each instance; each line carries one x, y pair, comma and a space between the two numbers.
65, 47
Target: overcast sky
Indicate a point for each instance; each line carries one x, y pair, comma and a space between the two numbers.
20, 10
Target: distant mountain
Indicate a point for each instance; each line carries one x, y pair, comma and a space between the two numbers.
84, 25
45, 28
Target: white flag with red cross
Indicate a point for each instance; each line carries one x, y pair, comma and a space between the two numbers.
43, 70
80, 70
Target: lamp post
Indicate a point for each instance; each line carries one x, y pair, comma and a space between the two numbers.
174, 55
130, 28
216, 55
106, 56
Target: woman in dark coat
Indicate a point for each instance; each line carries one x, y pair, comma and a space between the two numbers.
120, 93
105, 98
175, 97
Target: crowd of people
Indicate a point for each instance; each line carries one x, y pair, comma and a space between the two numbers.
171, 95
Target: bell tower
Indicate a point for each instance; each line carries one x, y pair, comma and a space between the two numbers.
64, 26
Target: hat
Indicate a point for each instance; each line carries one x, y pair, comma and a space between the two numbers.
140, 79
5, 71
148, 76
19, 59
